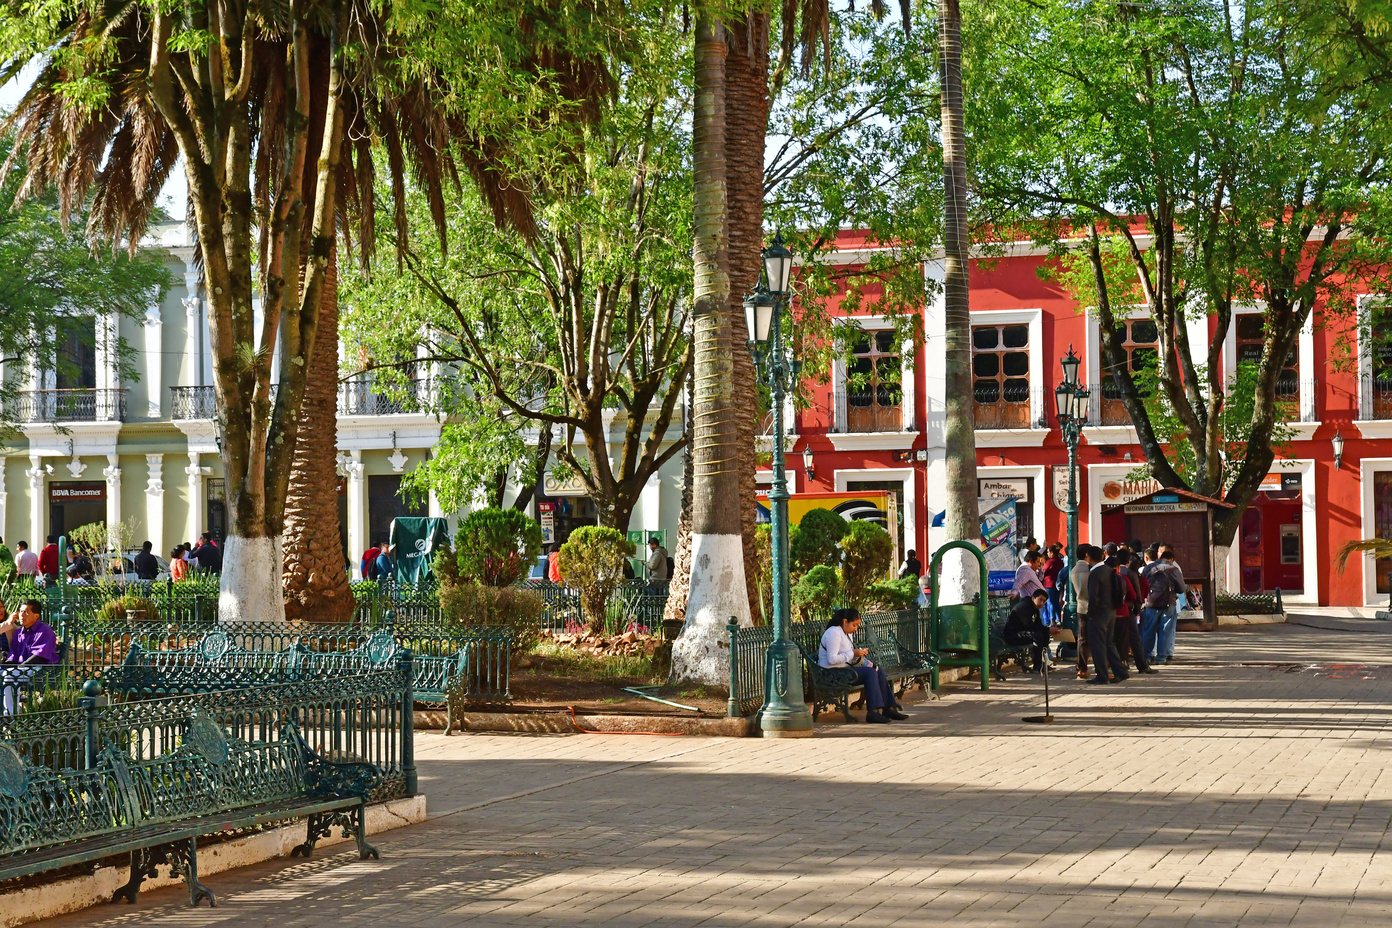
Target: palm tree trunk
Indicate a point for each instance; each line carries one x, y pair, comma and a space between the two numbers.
746, 127
315, 578
963, 519
718, 591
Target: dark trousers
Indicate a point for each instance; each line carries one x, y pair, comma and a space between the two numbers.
1128, 641
1105, 658
1083, 649
877, 691
1036, 638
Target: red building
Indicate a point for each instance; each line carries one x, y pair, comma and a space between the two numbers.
880, 437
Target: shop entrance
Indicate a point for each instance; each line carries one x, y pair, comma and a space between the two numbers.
1271, 538
73, 503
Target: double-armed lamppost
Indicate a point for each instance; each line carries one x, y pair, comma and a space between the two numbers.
784, 714
1072, 400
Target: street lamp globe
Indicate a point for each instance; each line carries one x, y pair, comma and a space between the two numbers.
778, 265
1065, 396
1070, 367
758, 319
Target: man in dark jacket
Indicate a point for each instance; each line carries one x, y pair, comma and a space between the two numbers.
1022, 626
1104, 593
146, 564
208, 554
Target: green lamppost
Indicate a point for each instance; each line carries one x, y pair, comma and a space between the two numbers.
785, 713
1072, 400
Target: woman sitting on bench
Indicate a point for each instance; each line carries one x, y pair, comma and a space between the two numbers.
838, 650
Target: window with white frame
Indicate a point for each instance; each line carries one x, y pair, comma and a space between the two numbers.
1001, 375
1139, 340
874, 383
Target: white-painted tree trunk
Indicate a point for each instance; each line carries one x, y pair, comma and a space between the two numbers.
1221, 553
251, 581
702, 653
959, 578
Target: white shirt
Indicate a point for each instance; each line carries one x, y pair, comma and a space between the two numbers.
837, 649
27, 563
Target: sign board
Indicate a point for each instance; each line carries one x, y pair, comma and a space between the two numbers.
1278, 482
872, 505
1058, 486
1122, 490
547, 511
1134, 508
1004, 488
68, 492
563, 486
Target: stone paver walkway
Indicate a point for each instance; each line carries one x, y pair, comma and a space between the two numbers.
1248, 785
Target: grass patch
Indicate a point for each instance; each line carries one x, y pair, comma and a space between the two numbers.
556, 660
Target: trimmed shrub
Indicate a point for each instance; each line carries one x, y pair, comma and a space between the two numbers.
468, 605
891, 595
497, 546
815, 592
865, 552
592, 562
812, 542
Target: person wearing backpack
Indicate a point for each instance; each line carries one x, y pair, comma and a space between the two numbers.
1128, 630
1105, 592
1159, 597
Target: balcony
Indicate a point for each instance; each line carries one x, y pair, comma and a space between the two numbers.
76, 405
868, 411
364, 398
1009, 407
1299, 399
192, 403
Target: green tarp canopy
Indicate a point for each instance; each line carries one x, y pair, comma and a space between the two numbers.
415, 540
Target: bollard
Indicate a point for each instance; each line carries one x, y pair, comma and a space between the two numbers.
408, 724
89, 702
732, 706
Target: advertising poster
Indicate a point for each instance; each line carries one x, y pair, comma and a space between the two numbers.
998, 536
878, 506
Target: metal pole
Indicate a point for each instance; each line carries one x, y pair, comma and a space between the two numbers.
785, 713
408, 724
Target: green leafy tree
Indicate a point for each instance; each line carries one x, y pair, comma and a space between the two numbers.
592, 561
816, 592
497, 546
1199, 165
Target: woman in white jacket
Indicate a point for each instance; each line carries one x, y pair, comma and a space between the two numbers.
838, 650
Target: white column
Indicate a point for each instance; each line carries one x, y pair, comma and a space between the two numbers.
4, 498
108, 378
194, 364
154, 502
651, 501
357, 515
36, 473
154, 360
112, 473
195, 497
436, 510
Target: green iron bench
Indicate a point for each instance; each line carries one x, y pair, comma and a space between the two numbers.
156, 810
831, 687
477, 672
1001, 651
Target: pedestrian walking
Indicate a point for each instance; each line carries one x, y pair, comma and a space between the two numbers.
1165, 634
1104, 595
1078, 576
911, 567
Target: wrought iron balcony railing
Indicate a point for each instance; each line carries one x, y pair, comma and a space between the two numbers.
862, 411
192, 402
1010, 406
366, 398
74, 405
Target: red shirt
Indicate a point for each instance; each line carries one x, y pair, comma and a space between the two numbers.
1051, 572
48, 560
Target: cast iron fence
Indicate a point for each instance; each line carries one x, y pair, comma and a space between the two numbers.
75, 405
364, 717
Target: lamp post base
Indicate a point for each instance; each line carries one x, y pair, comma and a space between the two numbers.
785, 713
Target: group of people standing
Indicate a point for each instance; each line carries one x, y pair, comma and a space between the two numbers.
1128, 601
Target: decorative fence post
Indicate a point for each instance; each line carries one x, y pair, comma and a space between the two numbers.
732, 705
90, 701
408, 723
65, 623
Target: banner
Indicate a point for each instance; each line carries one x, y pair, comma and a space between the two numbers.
415, 540
999, 529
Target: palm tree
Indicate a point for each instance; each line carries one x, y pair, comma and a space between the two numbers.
241, 118
962, 520
717, 589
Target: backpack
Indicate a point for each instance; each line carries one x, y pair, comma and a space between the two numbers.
671, 567
1162, 589
370, 569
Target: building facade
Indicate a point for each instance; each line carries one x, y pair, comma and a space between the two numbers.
1023, 324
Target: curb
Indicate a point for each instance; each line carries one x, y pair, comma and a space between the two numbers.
561, 722
73, 894
1267, 619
